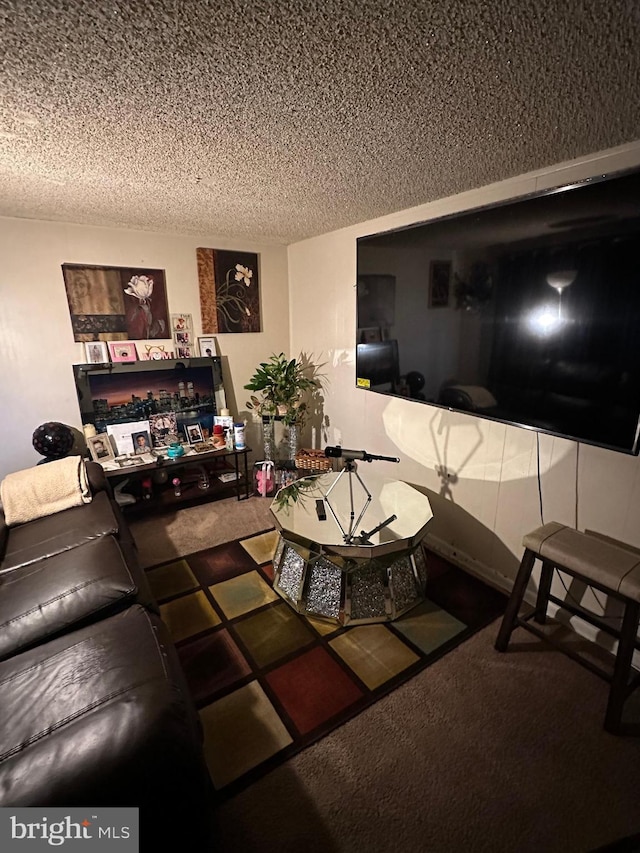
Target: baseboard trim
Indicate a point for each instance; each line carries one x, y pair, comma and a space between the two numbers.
500, 582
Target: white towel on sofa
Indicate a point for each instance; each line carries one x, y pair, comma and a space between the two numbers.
44, 490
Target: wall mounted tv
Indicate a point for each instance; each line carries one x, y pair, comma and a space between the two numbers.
131, 391
525, 312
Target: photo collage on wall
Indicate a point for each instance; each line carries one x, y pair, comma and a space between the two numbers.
182, 326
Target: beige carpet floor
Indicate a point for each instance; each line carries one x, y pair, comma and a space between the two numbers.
176, 534
482, 751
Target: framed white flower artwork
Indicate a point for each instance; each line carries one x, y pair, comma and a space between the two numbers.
113, 302
229, 291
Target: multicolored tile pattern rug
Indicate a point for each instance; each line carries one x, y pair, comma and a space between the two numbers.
267, 681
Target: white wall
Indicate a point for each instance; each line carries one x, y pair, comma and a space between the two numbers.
481, 476
36, 340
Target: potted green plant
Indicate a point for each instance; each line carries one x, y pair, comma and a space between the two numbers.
282, 384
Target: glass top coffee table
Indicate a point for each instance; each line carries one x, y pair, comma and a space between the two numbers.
350, 546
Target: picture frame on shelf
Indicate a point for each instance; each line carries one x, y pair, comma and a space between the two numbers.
141, 442
100, 447
206, 346
163, 427
372, 335
96, 352
122, 435
123, 351
194, 433
225, 421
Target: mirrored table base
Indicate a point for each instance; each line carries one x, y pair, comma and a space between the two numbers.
349, 591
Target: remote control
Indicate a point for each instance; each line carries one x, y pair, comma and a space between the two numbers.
320, 510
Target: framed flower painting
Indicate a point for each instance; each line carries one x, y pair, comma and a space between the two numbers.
107, 303
229, 291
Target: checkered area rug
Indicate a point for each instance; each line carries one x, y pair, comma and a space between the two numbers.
267, 681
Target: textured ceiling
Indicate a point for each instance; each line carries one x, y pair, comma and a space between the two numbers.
286, 119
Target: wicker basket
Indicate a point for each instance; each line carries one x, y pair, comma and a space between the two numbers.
312, 460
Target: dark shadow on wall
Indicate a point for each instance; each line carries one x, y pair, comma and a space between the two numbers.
466, 542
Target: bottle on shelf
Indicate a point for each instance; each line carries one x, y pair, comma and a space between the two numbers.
238, 436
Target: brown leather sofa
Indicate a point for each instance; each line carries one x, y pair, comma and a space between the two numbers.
96, 711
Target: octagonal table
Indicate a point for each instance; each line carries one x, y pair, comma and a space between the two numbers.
363, 562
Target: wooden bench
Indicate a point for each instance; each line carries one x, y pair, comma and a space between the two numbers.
610, 568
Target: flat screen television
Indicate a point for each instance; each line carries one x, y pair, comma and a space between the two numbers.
192, 388
526, 312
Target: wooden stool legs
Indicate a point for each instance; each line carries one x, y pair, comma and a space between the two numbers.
510, 618
620, 682
620, 687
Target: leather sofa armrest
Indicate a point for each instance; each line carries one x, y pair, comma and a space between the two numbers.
4, 534
97, 479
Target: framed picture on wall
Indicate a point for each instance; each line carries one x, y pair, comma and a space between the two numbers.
207, 347
439, 280
372, 335
111, 302
182, 326
229, 291
96, 352
122, 351
181, 323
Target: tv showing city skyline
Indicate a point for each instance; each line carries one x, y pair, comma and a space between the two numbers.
120, 393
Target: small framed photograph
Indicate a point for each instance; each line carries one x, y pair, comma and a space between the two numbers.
439, 278
207, 347
100, 448
141, 442
194, 433
371, 335
121, 435
163, 428
96, 352
181, 323
123, 351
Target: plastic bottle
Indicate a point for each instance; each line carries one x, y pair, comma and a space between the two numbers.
238, 436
